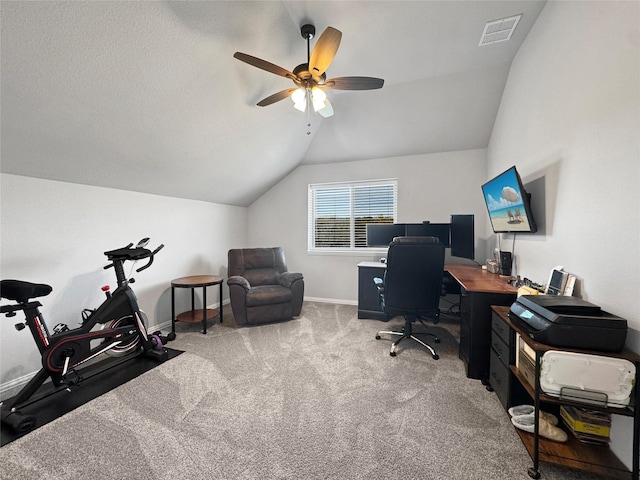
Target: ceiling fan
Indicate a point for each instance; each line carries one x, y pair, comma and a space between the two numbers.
310, 78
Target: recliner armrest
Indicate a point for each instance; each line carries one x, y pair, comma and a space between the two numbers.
286, 279
240, 281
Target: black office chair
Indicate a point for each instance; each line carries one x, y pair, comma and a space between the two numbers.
412, 285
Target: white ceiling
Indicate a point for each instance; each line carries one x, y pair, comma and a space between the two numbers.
146, 96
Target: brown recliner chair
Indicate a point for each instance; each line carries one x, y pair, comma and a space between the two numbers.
261, 289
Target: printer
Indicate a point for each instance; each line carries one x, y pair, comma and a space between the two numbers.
562, 321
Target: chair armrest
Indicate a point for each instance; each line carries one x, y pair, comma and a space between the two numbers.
286, 279
379, 284
240, 281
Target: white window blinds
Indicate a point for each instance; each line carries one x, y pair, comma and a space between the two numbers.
340, 212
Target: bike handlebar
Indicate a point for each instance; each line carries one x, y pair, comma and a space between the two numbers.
127, 253
150, 258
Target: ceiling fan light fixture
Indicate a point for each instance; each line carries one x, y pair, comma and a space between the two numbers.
317, 98
327, 110
310, 78
299, 98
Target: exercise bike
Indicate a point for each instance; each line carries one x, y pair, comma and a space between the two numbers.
116, 328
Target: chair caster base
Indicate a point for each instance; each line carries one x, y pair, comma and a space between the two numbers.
435, 357
392, 354
377, 337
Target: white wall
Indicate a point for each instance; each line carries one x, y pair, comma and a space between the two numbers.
56, 233
570, 121
430, 187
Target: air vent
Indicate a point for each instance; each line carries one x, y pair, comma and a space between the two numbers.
499, 30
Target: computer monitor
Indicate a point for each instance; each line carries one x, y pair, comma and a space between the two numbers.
382, 234
427, 229
462, 236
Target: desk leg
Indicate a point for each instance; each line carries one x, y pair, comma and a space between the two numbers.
173, 311
534, 472
204, 310
220, 302
635, 473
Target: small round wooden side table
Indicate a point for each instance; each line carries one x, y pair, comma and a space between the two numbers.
195, 315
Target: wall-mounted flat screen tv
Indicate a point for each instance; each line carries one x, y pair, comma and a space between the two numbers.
508, 203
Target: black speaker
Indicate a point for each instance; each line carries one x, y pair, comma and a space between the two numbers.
505, 263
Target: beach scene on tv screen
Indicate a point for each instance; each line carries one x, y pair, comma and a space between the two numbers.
505, 204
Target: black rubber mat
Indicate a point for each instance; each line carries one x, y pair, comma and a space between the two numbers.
53, 403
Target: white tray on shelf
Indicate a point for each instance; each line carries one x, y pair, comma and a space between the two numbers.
592, 379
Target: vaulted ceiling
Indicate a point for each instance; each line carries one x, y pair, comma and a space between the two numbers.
146, 96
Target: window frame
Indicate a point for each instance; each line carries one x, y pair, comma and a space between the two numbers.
352, 186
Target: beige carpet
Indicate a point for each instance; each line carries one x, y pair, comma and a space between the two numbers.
313, 398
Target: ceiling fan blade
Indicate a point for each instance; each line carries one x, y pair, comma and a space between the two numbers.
354, 83
327, 110
324, 51
264, 65
276, 97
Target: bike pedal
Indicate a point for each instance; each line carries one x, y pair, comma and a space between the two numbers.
163, 338
60, 328
158, 355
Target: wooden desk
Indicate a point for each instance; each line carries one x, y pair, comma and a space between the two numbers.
479, 290
475, 279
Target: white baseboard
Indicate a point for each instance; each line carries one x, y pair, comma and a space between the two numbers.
331, 300
217, 304
165, 326
12, 387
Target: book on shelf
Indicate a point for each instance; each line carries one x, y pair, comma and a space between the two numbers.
525, 360
589, 426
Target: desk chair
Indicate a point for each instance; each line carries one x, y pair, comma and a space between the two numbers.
412, 285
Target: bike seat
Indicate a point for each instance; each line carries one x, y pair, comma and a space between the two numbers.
21, 292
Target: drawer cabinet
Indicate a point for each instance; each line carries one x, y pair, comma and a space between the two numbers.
502, 355
475, 330
499, 379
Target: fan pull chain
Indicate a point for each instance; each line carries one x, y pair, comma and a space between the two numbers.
308, 109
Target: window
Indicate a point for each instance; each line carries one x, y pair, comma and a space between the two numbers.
339, 212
